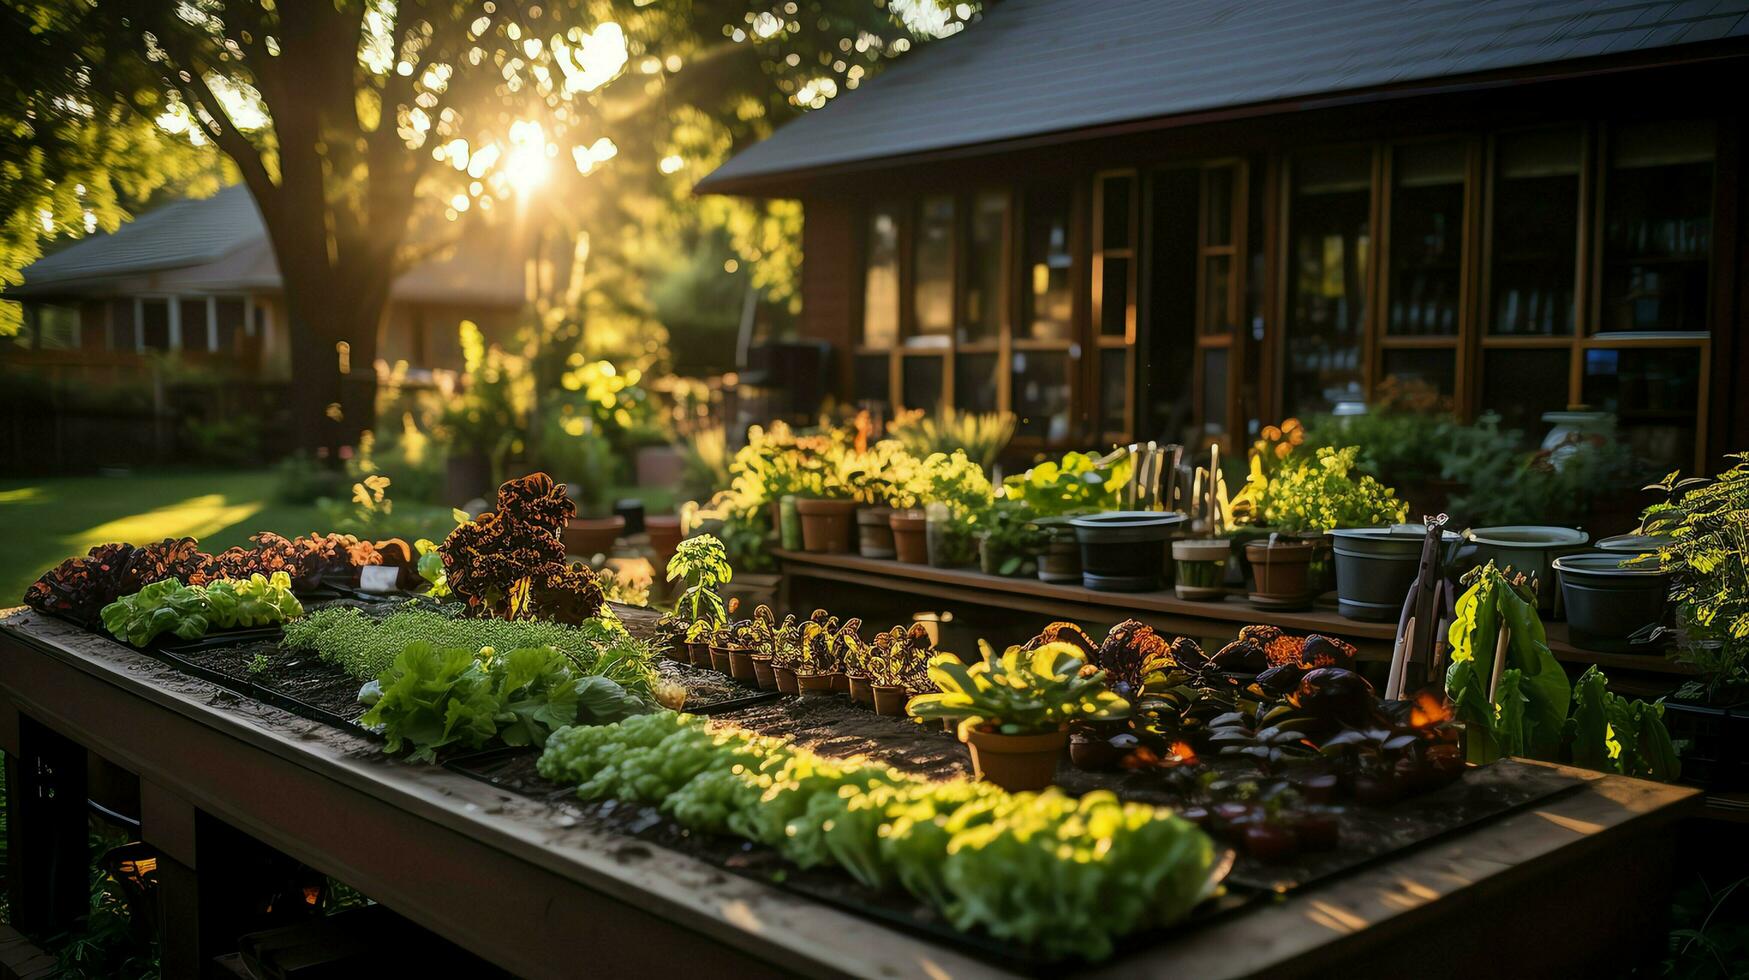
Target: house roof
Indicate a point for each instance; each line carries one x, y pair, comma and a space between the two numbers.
219, 244
1035, 67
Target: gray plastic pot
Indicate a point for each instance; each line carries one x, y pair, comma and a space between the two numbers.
1609, 602
1529, 549
1124, 551
1375, 565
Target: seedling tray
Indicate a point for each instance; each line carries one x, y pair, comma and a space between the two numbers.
178, 656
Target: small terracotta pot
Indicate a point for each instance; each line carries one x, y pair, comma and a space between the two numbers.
741, 666
719, 659
840, 682
910, 536
593, 535
814, 685
665, 536
889, 699
861, 690
699, 654
786, 679
1017, 763
1283, 574
763, 675
874, 536
827, 525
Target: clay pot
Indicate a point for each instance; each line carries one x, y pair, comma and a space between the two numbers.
665, 536
861, 690
741, 666
1283, 572
889, 699
910, 536
874, 536
763, 675
1017, 763
786, 679
719, 659
593, 535
840, 682
827, 525
814, 685
699, 654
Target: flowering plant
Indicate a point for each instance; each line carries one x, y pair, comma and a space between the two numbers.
1317, 495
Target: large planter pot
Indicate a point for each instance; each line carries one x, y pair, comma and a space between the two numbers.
1283, 574
1017, 763
815, 685
828, 526
592, 535
1061, 560
665, 537
910, 536
1610, 606
861, 690
1375, 566
1124, 551
889, 699
1633, 544
763, 674
1202, 568
874, 536
1716, 756
1530, 550
786, 679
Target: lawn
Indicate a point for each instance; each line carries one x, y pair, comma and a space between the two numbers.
49, 519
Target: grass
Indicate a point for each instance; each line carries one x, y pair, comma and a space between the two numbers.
47, 520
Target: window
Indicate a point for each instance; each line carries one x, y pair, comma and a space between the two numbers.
1049, 299
1329, 241
1115, 224
880, 300
1534, 268
1219, 296
1041, 394
230, 318
932, 270
1657, 228
198, 333
982, 307
154, 330
1424, 308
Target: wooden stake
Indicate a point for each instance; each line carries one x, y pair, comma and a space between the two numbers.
1400, 663
1500, 647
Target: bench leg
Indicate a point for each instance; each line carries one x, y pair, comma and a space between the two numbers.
47, 846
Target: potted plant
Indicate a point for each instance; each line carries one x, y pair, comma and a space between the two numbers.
956, 495
1014, 710
1009, 541
816, 660
826, 503
1613, 603
1281, 571
888, 470
703, 564
895, 662
666, 532
1530, 550
570, 444
1201, 568
1704, 549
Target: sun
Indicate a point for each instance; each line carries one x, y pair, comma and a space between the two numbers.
526, 165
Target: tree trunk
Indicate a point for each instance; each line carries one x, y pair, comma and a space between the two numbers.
333, 394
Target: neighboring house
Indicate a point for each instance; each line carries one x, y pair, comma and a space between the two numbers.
199, 277
1133, 219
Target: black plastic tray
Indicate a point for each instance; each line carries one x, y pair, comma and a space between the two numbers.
175, 657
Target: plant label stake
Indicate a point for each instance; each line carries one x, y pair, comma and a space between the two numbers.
1501, 647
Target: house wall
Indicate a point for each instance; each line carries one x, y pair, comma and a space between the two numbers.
1254, 340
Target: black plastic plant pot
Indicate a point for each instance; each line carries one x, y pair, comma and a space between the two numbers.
1529, 550
1375, 566
1124, 551
1716, 754
1612, 606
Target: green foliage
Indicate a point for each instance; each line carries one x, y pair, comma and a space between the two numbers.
572, 446
365, 647
1404, 446
1503, 482
1078, 484
302, 479
1708, 553
190, 611
410, 459
1009, 534
430, 568
1061, 875
431, 698
981, 435
703, 564
1317, 494
1021, 692
489, 415
1610, 733
1707, 942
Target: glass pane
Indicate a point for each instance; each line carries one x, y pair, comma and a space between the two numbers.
880, 301
1114, 212
1418, 379
974, 382
932, 272
1040, 394
195, 335
1657, 225
121, 324
1535, 233
872, 382
1114, 388
1655, 396
1521, 385
1047, 265
155, 316
1217, 292
1218, 207
1330, 238
231, 329
1427, 231
1214, 392
921, 382
1114, 297
986, 279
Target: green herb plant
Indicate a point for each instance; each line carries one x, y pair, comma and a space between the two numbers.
703, 564
1020, 692
191, 611
1079, 483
